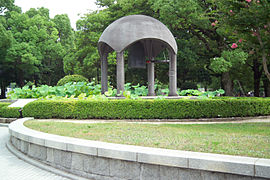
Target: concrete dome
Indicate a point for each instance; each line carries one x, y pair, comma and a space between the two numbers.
129, 29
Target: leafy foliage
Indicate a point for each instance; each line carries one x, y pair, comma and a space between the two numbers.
246, 24
148, 109
191, 92
45, 91
83, 89
32, 45
228, 60
72, 78
8, 112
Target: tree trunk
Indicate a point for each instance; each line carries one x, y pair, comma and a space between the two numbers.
21, 79
264, 59
266, 86
98, 74
227, 84
241, 88
3, 91
257, 73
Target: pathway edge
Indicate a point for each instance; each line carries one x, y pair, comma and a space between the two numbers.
40, 165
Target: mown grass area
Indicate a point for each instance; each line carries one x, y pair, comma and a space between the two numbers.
243, 139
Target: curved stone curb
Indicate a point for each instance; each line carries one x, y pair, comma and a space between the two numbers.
3, 125
94, 121
187, 121
100, 160
7, 120
41, 165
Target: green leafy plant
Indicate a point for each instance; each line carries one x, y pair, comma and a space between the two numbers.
190, 92
45, 91
79, 89
72, 78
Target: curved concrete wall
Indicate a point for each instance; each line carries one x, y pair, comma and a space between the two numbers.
99, 160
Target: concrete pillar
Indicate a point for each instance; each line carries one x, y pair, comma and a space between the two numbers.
120, 72
104, 73
151, 78
173, 75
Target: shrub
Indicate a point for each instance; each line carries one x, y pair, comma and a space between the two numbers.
2, 104
72, 78
147, 109
9, 112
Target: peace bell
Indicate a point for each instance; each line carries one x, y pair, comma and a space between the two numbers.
136, 56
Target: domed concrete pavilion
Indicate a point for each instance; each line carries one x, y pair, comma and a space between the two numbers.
145, 37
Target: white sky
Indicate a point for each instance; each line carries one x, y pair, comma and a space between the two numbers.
71, 7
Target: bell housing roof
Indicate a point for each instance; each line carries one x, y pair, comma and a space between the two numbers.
127, 30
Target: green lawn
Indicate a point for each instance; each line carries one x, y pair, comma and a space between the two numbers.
246, 139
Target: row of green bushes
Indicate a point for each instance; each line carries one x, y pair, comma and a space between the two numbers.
148, 109
8, 112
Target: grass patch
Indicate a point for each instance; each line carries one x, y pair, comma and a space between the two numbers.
245, 139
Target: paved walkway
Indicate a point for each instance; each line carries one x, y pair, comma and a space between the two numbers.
12, 168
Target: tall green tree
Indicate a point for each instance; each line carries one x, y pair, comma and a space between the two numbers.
5, 74
228, 62
24, 53
65, 31
249, 20
6, 37
84, 58
194, 24
37, 48
54, 43
6, 5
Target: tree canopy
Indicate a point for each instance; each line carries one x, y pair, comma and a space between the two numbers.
32, 46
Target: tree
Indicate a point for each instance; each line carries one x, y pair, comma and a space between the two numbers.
65, 32
6, 5
6, 39
5, 75
84, 58
55, 42
250, 21
24, 54
37, 49
195, 26
229, 61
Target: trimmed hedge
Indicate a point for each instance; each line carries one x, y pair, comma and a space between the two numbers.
3, 104
147, 109
72, 78
8, 112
